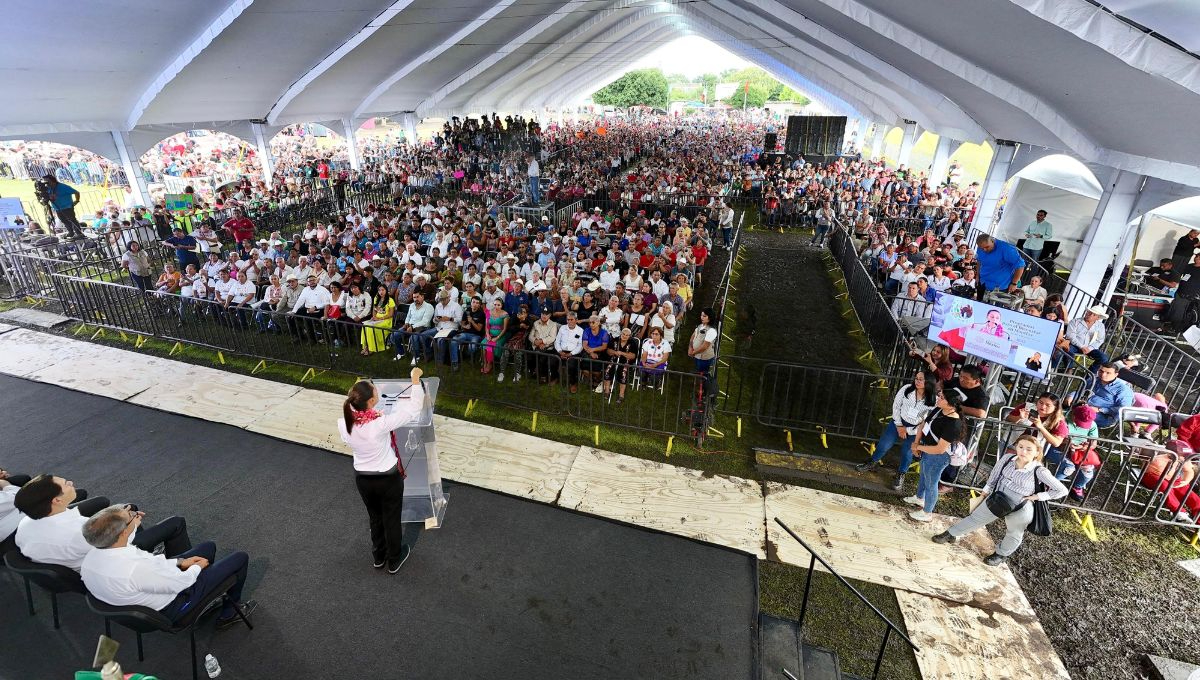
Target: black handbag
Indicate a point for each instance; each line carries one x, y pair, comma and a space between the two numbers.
1041, 524
1001, 503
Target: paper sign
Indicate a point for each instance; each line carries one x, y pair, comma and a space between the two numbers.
10, 210
180, 201
1017, 340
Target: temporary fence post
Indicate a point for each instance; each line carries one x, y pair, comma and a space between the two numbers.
98, 334
261, 365
670, 443
141, 340
739, 427
124, 337
597, 435
533, 426
178, 347
789, 439
824, 440
220, 357
81, 328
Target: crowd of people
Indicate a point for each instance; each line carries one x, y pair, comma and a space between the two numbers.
912, 235
600, 296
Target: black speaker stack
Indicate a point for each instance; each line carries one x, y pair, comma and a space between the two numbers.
810, 136
770, 141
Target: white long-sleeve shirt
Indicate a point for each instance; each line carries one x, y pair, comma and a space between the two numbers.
569, 340
311, 297
129, 576
10, 516
371, 443
55, 539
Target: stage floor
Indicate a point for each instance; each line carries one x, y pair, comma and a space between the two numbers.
507, 589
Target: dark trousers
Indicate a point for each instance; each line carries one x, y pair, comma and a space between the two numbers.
383, 495
67, 216
210, 577
171, 532
545, 364
570, 366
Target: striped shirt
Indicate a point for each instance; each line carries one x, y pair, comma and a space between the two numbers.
1007, 477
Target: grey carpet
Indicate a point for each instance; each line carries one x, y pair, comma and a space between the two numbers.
507, 589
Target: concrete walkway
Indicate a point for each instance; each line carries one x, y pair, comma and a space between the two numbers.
996, 629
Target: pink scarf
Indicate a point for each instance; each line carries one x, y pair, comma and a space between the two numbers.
364, 417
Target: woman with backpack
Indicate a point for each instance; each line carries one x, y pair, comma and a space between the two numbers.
909, 408
1009, 493
937, 435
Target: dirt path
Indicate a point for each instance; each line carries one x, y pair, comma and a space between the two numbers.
788, 286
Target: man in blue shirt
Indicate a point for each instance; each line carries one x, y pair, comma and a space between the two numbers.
185, 248
1109, 395
514, 300
1000, 264
63, 199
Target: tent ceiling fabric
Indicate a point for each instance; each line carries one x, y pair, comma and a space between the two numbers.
1064, 74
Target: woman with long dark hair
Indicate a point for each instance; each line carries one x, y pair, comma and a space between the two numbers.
937, 434
909, 408
378, 471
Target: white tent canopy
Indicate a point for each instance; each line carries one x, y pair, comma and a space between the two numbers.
1063, 74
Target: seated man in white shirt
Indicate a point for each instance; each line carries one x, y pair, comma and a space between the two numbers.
123, 575
50, 532
9, 514
569, 343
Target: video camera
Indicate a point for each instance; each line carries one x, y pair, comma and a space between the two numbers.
41, 191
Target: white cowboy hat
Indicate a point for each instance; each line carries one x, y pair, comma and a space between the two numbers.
1099, 310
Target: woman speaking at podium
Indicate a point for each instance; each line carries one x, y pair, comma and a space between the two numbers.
378, 471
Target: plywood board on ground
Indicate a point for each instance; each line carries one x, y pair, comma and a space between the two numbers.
878, 543
34, 317
4, 327
107, 372
713, 508
24, 351
509, 462
214, 395
307, 417
959, 642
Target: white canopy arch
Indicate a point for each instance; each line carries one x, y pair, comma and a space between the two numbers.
1115, 86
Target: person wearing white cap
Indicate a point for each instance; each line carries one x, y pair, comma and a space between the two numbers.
1086, 336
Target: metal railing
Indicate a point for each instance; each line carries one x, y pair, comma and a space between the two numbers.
668, 402
874, 313
814, 558
820, 399
1122, 486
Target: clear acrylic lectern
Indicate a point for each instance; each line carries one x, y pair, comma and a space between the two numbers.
424, 500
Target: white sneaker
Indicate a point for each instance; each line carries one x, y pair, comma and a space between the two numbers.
517, 377
915, 500
921, 516
599, 389
414, 362
500, 378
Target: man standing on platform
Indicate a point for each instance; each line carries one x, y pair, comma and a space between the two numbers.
1000, 264
63, 199
535, 181
1036, 234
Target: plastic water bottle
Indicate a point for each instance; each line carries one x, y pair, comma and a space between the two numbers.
211, 665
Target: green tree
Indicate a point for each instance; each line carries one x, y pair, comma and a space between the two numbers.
787, 94
644, 87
